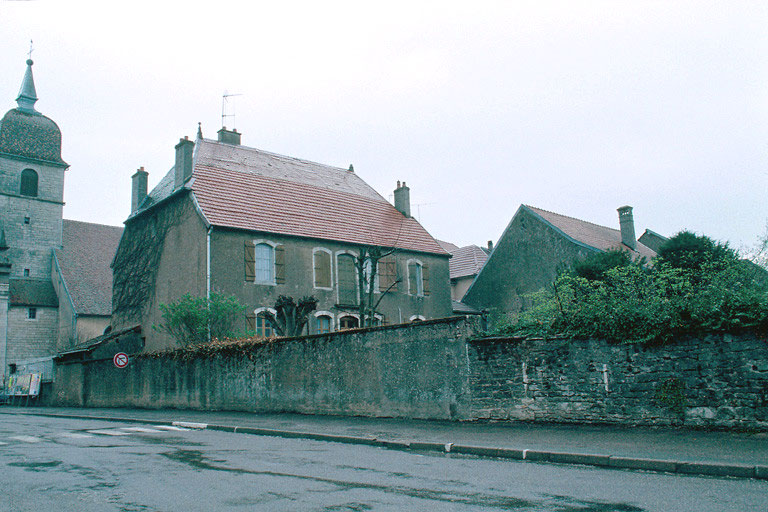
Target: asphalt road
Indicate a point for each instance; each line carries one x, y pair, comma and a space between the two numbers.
55, 464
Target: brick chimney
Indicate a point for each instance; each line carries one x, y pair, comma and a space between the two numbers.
183, 167
229, 136
627, 227
138, 188
403, 199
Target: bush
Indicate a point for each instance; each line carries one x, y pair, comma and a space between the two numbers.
194, 320
694, 292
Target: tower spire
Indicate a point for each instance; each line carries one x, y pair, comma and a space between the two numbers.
27, 94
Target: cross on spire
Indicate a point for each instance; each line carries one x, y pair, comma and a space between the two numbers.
31, 49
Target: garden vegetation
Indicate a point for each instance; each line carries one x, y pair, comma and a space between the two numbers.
695, 286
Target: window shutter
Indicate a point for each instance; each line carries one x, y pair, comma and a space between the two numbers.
280, 264
250, 322
425, 278
387, 274
322, 269
250, 262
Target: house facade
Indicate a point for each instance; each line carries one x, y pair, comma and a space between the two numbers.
256, 225
535, 246
49, 267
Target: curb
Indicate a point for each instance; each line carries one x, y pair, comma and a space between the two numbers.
583, 459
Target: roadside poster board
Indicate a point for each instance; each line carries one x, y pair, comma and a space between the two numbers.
24, 385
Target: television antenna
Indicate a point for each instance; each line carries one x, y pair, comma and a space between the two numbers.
225, 112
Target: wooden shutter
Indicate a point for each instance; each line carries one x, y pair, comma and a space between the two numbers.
250, 322
280, 264
425, 278
346, 272
387, 274
322, 269
250, 262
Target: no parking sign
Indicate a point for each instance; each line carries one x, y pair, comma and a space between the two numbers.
120, 359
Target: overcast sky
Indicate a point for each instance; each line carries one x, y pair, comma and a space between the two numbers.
575, 107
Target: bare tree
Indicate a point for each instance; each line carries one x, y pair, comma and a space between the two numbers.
367, 265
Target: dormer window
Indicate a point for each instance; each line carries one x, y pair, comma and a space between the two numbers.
28, 183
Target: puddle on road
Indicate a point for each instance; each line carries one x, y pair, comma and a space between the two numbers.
196, 460
36, 466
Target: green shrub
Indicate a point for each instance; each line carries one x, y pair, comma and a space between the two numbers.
194, 320
639, 304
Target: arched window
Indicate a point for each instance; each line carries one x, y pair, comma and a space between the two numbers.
28, 183
264, 258
323, 325
348, 322
257, 323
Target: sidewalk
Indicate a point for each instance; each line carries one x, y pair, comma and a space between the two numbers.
742, 455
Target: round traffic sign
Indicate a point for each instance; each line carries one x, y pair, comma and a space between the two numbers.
120, 359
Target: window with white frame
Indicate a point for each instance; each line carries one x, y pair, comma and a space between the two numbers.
258, 323
264, 263
323, 324
348, 322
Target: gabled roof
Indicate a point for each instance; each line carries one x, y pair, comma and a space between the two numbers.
459, 308
467, 261
589, 234
32, 292
247, 188
448, 246
84, 260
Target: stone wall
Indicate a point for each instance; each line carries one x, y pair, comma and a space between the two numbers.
718, 381
415, 371
441, 370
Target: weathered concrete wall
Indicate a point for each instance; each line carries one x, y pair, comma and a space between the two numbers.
416, 371
719, 381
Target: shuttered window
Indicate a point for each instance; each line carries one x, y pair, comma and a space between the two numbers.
264, 263
322, 266
323, 325
388, 274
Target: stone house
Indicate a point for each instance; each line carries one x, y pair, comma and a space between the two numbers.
256, 225
55, 280
535, 246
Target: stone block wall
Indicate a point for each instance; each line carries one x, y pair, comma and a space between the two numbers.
718, 381
31, 338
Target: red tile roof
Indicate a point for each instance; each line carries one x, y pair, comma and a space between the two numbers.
467, 261
245, 188
593, 235
84, 259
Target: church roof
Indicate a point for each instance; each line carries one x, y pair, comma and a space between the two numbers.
26, 133
247, 188
84, 260
32, 292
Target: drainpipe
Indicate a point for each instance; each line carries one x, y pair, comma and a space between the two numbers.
208, 274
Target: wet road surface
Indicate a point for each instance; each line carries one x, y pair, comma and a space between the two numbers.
60, 464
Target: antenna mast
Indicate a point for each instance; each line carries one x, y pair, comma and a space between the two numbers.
224, 115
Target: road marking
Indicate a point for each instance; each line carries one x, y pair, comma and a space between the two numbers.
107, 432
27, 439
144, 430
2, 443
190, 424
171, 427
